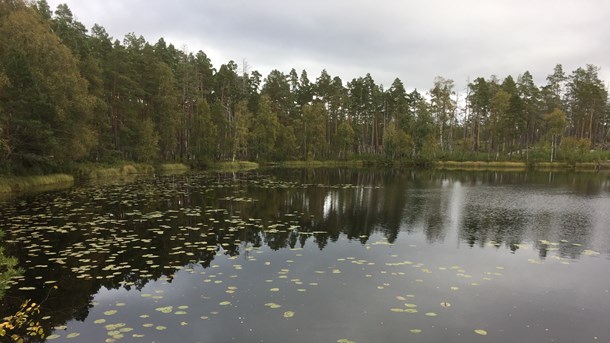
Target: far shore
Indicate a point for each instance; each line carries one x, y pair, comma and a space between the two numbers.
88, 172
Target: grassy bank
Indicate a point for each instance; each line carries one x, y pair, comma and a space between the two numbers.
233, 166
520, 166
14, 184
582, 166
480, 165
95, 171
321, 164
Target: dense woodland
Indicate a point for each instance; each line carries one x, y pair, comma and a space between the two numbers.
69, 94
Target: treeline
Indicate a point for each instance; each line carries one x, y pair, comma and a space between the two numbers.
69, 94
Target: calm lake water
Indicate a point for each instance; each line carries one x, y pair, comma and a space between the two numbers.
325, 255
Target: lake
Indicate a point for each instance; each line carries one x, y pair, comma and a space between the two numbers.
319, 255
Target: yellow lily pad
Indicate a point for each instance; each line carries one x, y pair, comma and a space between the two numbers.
481, 332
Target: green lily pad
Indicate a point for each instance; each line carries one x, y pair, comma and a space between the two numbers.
166, 309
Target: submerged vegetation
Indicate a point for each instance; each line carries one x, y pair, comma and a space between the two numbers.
71, 94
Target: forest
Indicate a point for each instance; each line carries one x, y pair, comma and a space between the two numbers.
69, 94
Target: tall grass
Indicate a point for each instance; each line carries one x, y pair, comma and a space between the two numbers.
11, 184
94, 171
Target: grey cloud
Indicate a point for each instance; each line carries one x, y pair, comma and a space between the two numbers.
415, 41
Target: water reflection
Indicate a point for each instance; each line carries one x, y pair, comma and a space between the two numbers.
128, 235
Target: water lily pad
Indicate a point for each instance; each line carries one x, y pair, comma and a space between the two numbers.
166, 309
288, 314
99, 321
481, 332
415, 331
273, 305
110, 312
73, 335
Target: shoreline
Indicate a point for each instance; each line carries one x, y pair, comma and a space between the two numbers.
90, 172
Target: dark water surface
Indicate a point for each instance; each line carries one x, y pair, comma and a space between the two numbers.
324, 255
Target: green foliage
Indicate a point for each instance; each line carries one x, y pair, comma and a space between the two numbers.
443, 106
70, 95
313, 130
286, 146
265, 129
398, 144
572, 149
240, 130
345, 139
46, 107
556, 123
8, 269
203, 132
425, 134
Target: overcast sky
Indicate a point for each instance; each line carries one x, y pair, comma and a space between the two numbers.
412, 40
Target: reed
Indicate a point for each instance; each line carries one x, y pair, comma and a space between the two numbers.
13, 184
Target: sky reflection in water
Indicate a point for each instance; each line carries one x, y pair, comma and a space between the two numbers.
368, 256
